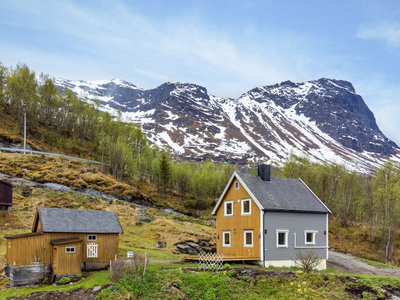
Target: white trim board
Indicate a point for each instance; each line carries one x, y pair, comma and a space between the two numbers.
236, 175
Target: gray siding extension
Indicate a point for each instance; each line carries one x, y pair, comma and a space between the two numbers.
294, 223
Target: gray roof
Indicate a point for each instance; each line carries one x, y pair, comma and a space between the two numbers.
283, 194
76, 220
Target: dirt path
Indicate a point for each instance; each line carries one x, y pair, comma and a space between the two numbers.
347, 263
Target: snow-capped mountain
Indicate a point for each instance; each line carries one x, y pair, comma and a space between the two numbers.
324, 119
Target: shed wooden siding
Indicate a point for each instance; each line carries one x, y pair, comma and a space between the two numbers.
238, 223
5, 194
27, 249
67, 263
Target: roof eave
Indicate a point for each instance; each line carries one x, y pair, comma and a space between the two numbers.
296, 211
235, 174
316, 196
223, 194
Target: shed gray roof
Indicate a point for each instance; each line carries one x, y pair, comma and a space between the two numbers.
76, 220
283, 194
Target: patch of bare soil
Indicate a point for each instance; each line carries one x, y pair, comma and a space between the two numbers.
81, 294
266, 273
254, 273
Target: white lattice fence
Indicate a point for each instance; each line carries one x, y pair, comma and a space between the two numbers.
92, 250
210, 261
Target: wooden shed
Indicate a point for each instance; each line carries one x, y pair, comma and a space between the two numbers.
64, 241
6, 191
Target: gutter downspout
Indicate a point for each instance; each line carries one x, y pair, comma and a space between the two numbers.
263, 236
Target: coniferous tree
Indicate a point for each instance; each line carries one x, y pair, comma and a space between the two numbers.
165, 170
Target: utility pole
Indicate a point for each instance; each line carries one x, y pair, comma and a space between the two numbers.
139, 170
24, 106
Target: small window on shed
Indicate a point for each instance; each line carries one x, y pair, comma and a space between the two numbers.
70, 249
236, 185
92, 237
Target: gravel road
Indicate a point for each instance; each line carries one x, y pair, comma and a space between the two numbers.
347, 263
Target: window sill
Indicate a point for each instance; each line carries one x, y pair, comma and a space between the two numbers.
228, 216
228, 246
248, 246
246, 214
282, 246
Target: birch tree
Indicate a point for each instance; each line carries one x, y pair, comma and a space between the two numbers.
386, 202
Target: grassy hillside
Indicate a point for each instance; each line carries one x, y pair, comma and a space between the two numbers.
137, 236
79, 175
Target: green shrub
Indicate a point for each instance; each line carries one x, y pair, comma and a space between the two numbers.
106, 294
65, 280
78, 275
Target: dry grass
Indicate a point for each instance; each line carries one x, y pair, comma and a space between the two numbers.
137, 235
357, 241
77, 174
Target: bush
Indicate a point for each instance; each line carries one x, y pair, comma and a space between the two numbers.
135, 267
106, 294
307, 260
64, 280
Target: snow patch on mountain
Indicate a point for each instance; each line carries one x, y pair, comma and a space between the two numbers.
324, 119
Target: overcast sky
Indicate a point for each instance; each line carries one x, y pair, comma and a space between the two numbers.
229, 47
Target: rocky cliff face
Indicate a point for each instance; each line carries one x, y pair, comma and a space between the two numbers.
324, 119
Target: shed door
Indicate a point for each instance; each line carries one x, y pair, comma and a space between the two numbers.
68, 258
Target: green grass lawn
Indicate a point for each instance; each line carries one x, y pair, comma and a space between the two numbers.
228, 284
96, 279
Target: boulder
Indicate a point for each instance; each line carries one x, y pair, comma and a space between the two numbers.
186, 249
161, 244
144, 219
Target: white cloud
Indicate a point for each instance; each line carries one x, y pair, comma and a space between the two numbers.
388, 32
148, 51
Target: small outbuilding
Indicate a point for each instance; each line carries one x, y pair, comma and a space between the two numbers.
6, 191
63, 242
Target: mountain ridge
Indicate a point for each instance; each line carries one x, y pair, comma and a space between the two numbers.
323, 118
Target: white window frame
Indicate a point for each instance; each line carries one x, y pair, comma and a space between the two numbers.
246, 213
225, 210
92, 235
286, 232
223, 238
244, 238
314, 232
71, 249
236, 185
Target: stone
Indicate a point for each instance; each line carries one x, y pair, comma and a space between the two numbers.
96, 289
203, 244
144, 219
195, 246
183, 248
161, 244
